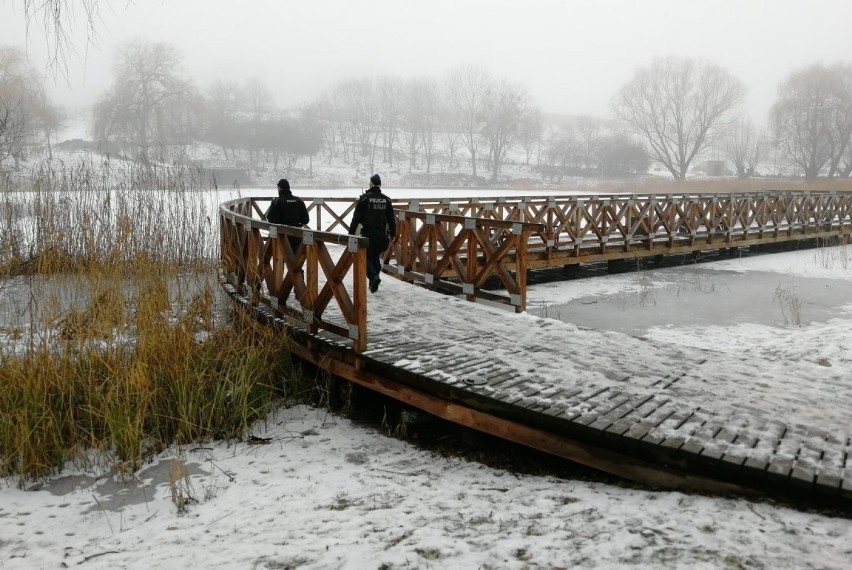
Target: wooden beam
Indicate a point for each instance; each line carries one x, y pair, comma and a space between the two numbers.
592, 456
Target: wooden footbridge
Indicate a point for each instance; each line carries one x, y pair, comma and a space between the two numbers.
650, 413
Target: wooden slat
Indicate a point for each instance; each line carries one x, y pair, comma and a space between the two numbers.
765, 446
651, 413
805, 466
563, 400
557, 399
619, 408
740, 450
829, 470
684, 430
781, 461
697, 442
846, 477
720, 443
584, 400
505, 385
525, 397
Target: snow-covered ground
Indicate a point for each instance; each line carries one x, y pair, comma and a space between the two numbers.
324, 493
318, 491
313, 490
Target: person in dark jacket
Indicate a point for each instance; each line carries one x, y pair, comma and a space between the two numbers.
374, 219
288, 210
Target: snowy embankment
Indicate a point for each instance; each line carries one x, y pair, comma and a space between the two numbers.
320, 492
316, 491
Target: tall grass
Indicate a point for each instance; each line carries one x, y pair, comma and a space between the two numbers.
60, 401
105, 215
834, 252
120, 346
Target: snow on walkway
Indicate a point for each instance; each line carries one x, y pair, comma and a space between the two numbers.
753, 388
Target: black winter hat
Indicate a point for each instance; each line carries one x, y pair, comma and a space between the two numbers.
376, 180
284, 185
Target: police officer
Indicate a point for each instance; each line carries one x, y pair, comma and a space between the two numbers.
288, 210
374, 219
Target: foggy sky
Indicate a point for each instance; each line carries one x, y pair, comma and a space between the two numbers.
572, 55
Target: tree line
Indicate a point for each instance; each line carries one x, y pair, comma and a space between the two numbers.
671, 112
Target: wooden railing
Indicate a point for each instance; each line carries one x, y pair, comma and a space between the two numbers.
579, 229
435, 251
256, 254
658, 220
462, 254
571, 221
430, 250
479, 246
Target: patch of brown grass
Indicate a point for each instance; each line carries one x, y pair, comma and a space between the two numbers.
129, 352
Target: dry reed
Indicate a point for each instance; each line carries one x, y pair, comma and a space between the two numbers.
129, 351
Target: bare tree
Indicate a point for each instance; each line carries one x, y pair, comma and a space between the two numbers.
312, 133
224, 99
148, 94
342, 118
50, 119
412, 117
744, 147
24, 108
678, 106
503, 113
588, 131
390, 93
842, 127
13, 128
449, 137
468, 90
564, 149
257, 100
531, 131
358, 109
57, 17
366, 117
845, 165
616, 155
430, 109
812, 118
323, 110
420, 115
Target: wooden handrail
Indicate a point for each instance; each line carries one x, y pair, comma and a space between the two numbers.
462, 254
256, 253
497, 246
619, 220
612, 225
463, 244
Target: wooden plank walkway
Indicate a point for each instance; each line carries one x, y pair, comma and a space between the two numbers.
661, 404
652, 412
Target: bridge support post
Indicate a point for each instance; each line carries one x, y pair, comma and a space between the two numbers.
521, 267
359, 298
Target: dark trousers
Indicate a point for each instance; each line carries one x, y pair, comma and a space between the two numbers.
295, 242
378, 243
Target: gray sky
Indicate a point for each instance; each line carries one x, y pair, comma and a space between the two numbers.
572, 55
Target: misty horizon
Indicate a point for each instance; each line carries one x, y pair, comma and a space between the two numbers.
572, 57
